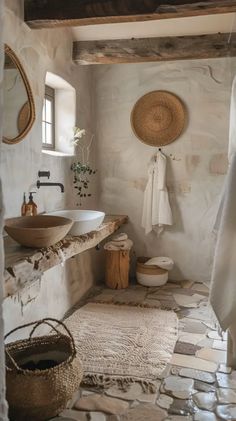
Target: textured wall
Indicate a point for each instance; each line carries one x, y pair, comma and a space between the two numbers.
197, 161
39, 52
3, 406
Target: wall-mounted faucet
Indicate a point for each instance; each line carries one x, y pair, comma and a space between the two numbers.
47, 174
39, 184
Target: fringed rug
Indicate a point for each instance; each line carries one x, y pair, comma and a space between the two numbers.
129, 299
120, 344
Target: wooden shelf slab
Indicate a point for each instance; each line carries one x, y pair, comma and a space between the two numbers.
24, 265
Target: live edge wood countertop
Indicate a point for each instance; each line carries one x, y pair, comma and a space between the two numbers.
24, 265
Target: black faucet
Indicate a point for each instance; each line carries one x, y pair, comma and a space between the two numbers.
39, 184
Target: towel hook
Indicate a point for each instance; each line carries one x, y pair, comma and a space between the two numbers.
158, 150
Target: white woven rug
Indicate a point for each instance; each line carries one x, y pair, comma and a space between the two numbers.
122, 344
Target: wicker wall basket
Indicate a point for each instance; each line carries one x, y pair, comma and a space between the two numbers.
38, 394
158, 118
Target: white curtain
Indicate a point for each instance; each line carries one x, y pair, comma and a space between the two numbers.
3, 404
223, 285
232, 123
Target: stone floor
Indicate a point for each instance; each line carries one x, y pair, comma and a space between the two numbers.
195, 386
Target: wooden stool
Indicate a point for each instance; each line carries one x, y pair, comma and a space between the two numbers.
117, 268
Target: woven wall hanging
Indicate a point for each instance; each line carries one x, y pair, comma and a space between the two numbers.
158, 118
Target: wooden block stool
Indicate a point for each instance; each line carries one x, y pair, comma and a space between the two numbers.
117, 268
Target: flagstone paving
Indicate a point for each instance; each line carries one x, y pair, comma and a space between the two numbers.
196, 385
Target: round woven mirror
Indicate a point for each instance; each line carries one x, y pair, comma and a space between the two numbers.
19, 108
158, 118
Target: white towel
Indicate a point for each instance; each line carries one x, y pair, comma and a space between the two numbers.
223, 282
122, 236
119, 245
156, 206
161, 262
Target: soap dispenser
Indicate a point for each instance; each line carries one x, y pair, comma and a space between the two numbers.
31, 207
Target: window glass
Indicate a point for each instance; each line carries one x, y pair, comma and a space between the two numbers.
48, 120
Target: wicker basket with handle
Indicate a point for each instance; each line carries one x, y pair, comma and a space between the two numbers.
40, 394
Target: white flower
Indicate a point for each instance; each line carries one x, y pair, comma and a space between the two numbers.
78, 133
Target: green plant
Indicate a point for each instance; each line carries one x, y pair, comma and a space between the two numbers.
82, 174
82, 170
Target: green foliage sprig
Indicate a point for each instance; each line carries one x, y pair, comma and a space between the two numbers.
82, 173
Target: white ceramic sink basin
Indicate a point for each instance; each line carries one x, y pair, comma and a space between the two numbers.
84, 221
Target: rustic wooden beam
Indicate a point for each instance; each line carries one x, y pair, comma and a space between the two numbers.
58, 13
154, 49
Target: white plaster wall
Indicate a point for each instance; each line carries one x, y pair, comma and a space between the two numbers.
3, 405
197, 25
197, 161
41, 51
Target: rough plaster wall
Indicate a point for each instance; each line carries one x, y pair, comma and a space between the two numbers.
41, 51
197, 161
3, 405
53, 295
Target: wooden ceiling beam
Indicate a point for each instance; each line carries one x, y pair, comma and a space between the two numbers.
62, 13
154, 49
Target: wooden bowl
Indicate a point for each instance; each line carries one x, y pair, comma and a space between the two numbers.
38, 231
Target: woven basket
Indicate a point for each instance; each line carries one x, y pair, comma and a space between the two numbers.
158, 118
149, 269
40, 394
150, 275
